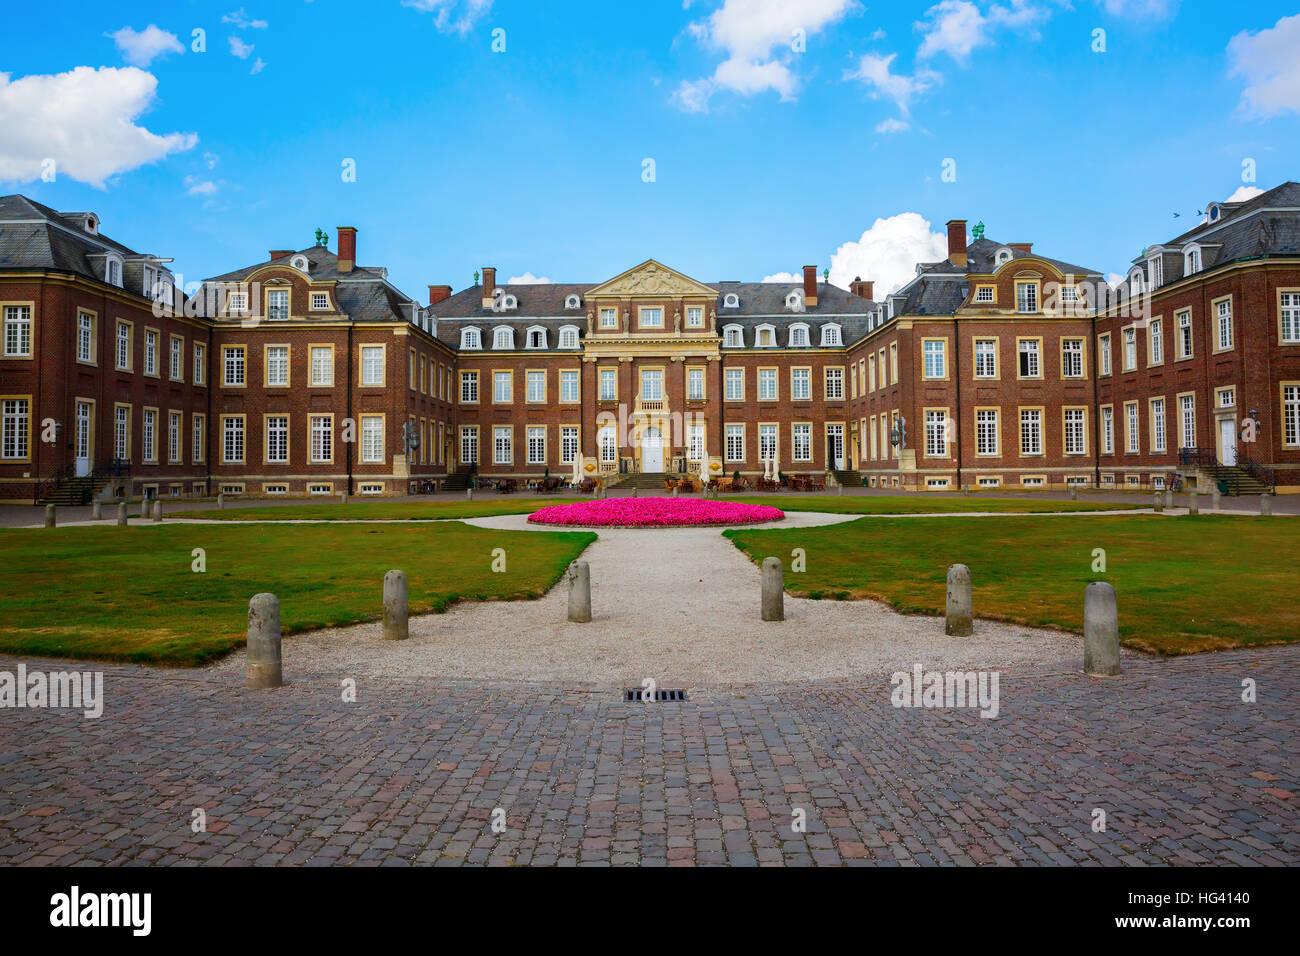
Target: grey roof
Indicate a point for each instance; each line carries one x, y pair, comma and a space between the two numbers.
55, 240
365, 293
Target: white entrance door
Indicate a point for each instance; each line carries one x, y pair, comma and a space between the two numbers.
1228, 441
836, 435
81, 439
652, 451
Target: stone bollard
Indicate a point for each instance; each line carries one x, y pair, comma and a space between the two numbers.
396, 610
1169, 500
634, 492
50, 520
579, 577
97, 510
121, 514
157, 509
221, 500
839, 487
960, 607
1265, 506
1193, 503
469, 494
674, 491
773, 590
1216, 498
1100, 631
343, 498
1159, 502
263, 659
1074, 492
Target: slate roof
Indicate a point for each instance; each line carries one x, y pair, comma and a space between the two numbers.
57, 241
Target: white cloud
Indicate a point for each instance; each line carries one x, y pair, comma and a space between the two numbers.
876, 71
141, 49
1269, 63
84, 121
211, 159
891, 125
783, 277
528, 279
757, 39
1140, 9
258, 66
956, 27
452, 16
1243, 193
200, 187
888, 252
239, 48
239, 19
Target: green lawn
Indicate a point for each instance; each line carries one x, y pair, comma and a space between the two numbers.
1183, 584
925, 504
383, 510
130, 594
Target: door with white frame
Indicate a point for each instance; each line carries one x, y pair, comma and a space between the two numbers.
835, 446
81, 438
1227, 441
652, 451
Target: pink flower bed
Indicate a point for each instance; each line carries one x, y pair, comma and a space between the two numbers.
654, 513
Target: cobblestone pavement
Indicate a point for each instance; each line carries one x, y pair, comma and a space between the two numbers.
412, 771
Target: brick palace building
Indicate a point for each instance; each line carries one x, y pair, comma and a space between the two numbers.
306, 373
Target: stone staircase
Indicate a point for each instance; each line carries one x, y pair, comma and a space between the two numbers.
1240, 481
645, 480
75, 491
456, 481
849, 478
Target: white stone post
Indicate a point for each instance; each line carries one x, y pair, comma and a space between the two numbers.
960, 609
396, 609
773, 590
263, 657
579, 578
1100, 631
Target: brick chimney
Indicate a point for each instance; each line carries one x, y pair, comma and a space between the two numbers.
347, 248
1021, 246
489, 285
860, 288
280, 253
439, 292
810, 286
957, 242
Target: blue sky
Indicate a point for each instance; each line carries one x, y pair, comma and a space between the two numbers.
766, 157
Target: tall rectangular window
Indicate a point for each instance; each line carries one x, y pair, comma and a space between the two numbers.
568, 386
322, 438
695, 384
277, 438
536, 382
1108, 430
652, 384
608, 384
834, 384
936, 439
150, 352
1157, 342
18, 331
200, 363
1291, 415
322, 365
1187, 406
1158, 426
123, 346
801, 442
735, 442
468, 445
503, 387
198, 437
1030, 364
468, 387
121, 432
1224, 310
1133, 439
173, 436
1290, 317
607, 440
695, 443
1031, 431
176, 359
277, 304
986, 358
15, 434
372, 365
1026, 297
800, 389
149, 435
935, 360
1185, 334
766, 442
1072, 358
502, 440
372, 438
277, 365
766, 384
1130, 350
232, 440
1103, 354
233, 364
986, 431
536, 444
734, 384
568, 444
85, 337
1076, 442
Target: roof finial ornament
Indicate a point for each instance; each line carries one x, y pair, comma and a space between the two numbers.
476, 277
826, 275
322, 238
978, 230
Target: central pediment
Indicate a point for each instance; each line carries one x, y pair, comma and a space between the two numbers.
652, 278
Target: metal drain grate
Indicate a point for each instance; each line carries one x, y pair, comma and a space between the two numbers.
638, 694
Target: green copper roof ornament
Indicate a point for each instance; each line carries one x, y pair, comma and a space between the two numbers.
978, 231
476, 277
322, 237
826, 275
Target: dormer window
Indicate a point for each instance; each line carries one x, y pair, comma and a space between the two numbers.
1213, 211
1003, 256
1192, 260
831, 336
765, 337
569, 337
300, 263
91, 223
536, 338
794, 301
798, 335
572, 301
237, 302
504, 301
150, 281
113, 271
503, 337
731, 301
470, 339
1135, 282
733, 337
1156, 271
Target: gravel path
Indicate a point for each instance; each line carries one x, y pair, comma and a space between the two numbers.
680, 606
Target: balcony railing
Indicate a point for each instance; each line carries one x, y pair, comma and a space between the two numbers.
651, 404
